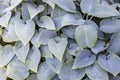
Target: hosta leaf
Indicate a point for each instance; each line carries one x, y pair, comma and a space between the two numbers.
44, 72
90, 5
57, 46
17, 70
67, 5
3, 75
68, 74
24, 31
43, 22
114, 77
50, 2
54, 64
110, 63
114, 46
33, 59
45, 51
86, 36
103, 11
13, 4
42, 37
94, 72
100, 46
4, 20
32, 77
84, 59
2, 7
6, 55
33, 11
109, 25
22, 51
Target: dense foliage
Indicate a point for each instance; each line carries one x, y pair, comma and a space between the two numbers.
60, 39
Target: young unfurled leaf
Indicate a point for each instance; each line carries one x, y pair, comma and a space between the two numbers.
67, 73
21, 51
110, 63
24, 31
86, 36
33, 59
6, 55
43, 22
84, 59
44, 72
17, 70
94, 72
57, 46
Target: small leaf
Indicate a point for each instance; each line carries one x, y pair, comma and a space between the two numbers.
42, 37
110, 63
17, 70
21, 51
86, 36
43, 22
3, 75
94, 72
24, 31
4, 20
68, 74
33, 59
109, 25
84, 59
54, 64
44, 72
6, 55
67, 5
57, 46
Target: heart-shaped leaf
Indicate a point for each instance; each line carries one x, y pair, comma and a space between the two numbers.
21, 51
109, 25
17, 70
67, 5
44, 69
33, 58
24, 31
43, 22
57, 46
86, 36
68, 74
3, 75
54, 64
84, 59
42, 37
4, 20
110, 63
6, 55
94, 72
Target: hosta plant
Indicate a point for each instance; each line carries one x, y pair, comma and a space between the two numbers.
59, 39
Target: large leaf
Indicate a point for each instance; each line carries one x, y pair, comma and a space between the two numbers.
33, 59
88, 5
17, 70
42, 37
57, 46
114, 46
86, 36
4, 20
54, 64
68, 74
67, 5
6, 55
103, 11
21, 51
109, 25
94, 72
43, 22
44, 72
110, 63
3, 75
84, 59
24, 31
